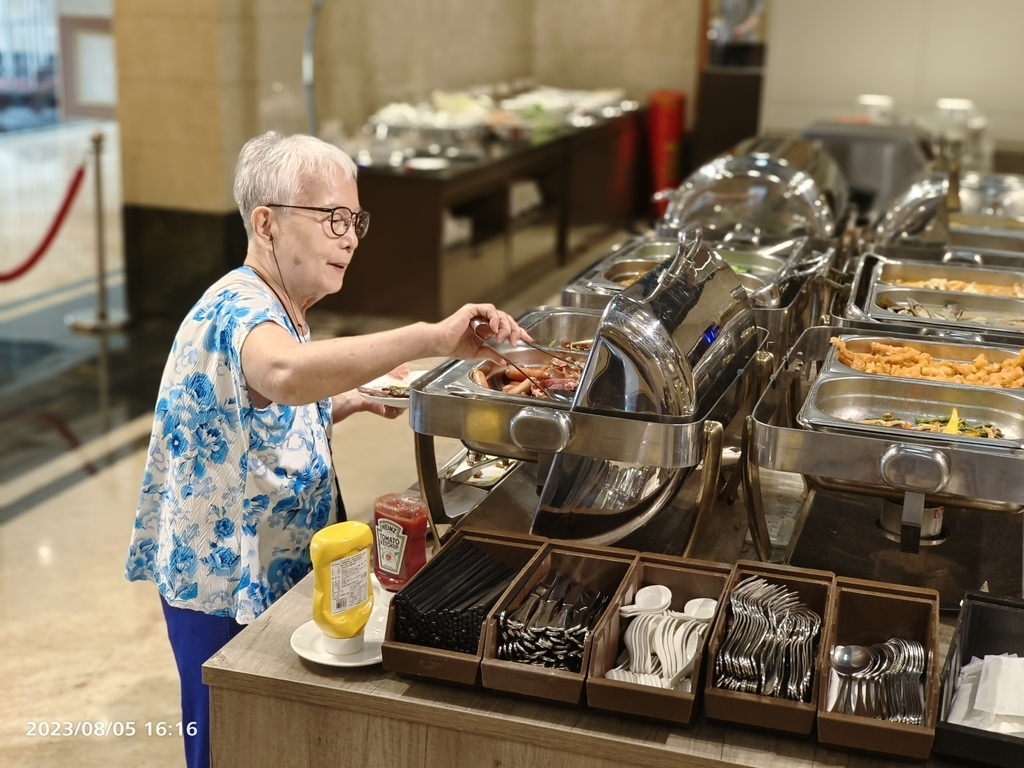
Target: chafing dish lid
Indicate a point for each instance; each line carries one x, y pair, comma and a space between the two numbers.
670, 343
763, 185
919, 210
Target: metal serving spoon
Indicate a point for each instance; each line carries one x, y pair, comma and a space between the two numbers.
847, 661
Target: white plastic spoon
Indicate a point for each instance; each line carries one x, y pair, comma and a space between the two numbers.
650, 599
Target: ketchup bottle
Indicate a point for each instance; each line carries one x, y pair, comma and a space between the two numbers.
400, 538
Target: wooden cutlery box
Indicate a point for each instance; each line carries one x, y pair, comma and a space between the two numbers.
869, 612
987, 626
754, 710
687, 579
599, 569
423, 662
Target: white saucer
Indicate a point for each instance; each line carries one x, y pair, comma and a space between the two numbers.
308, 640
387, 380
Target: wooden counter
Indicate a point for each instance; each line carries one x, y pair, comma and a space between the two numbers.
270, 708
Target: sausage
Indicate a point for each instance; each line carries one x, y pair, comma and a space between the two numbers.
536, 372
479, 377
520, 387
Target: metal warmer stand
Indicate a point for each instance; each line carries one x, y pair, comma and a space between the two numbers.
849, 469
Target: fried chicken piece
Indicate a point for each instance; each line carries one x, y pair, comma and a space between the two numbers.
910, 362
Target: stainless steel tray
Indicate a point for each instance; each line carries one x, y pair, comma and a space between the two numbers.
968, 310
939, 350
627, 267
891, 272
837, 403
798, 307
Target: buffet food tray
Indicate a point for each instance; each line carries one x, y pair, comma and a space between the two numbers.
982, 318
951, 309
838, 402
973, 472
897, 273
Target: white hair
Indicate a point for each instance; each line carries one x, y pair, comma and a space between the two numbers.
273, 169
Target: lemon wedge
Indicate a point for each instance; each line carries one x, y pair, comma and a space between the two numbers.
953, 427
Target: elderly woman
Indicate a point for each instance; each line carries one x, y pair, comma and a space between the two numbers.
239, 475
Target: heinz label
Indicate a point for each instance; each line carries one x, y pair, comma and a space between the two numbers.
390, 546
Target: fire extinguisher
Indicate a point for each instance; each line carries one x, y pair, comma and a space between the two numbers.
666, 117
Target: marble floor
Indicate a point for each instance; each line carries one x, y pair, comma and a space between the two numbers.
78, 643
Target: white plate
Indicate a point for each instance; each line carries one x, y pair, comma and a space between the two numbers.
308, 640
387, 380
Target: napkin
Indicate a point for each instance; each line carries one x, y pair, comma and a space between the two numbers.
990, 695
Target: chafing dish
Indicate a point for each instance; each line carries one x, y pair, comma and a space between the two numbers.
783, 277
987, 204
875, 300
755, 266
805, 423
763, 186
663, 374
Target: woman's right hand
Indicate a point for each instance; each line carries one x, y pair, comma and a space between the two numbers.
456, 337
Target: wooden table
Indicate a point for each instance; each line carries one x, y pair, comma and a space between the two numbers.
587, 181
270, 708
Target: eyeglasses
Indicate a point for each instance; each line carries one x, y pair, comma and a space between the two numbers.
341, 218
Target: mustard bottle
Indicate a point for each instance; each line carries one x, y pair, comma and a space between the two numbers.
342, 592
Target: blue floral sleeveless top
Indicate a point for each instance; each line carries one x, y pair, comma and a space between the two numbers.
232, 494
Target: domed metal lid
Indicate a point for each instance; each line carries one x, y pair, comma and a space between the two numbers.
763, 186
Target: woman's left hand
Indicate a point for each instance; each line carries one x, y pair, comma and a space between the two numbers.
348, 403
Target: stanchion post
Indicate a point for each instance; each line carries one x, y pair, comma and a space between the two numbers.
103, 321
101, 245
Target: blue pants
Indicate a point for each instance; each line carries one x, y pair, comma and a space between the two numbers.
195, 637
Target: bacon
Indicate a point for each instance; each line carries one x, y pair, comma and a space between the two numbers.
565, 385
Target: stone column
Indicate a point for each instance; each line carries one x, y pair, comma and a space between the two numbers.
185, 106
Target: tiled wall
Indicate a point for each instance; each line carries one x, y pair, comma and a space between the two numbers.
198, 77
821, 55
182, 100
640, 45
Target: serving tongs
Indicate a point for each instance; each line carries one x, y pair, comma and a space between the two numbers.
483, 331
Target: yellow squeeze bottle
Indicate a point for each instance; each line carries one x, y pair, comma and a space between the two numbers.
342, 592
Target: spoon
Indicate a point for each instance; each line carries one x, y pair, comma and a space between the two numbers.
654, 598
848, 660
701, 607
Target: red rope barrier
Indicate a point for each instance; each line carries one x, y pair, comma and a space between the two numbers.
51, 233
